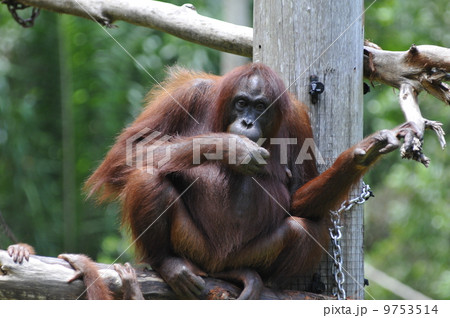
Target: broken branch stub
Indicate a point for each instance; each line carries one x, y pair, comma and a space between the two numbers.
412, 148
424, 67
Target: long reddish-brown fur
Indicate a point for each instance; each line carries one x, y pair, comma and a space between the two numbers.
203, 231
96, 288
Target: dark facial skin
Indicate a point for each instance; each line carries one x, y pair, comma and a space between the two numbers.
250, 113
227, 221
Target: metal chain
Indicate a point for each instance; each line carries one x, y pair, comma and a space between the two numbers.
14, 6
336, 235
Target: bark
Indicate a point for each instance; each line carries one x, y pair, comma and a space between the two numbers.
46, 278
424, 67
421, 68
293, 38
183, 22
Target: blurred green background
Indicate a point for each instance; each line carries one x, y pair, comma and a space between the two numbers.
67, 89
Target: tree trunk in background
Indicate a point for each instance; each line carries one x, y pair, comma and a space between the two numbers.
236, 12
68, 145
324, 38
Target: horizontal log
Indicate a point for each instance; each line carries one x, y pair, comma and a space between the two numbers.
47, 278
183, 22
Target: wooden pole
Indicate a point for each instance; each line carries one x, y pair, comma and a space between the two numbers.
323, 38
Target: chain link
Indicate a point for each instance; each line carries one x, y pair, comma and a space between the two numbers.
336, 235
335, 230
14, 6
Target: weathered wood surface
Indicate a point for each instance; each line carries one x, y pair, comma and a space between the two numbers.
183, 22
421, 68
414, 67
186, 23
46, 278
302, 38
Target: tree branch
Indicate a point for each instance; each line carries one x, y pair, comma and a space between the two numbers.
46, 278
183, 22
424, 67
421, 68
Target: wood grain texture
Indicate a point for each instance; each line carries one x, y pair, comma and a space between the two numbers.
46, 278
324, 38
183, 22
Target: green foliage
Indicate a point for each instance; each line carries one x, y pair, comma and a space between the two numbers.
407, 223
106, 89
